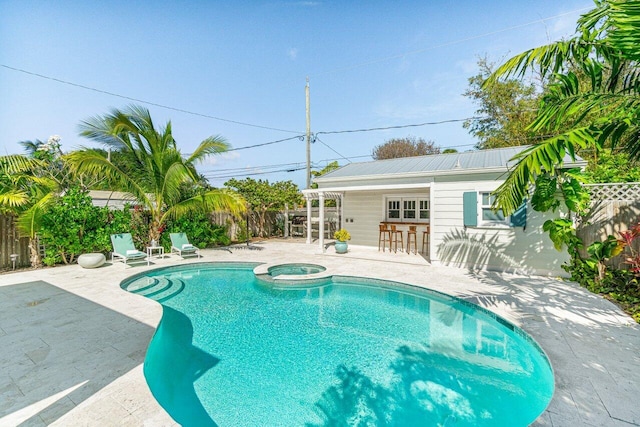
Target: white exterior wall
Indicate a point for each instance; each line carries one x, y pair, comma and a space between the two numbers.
505, 248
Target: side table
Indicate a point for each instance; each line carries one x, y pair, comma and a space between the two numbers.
152, 249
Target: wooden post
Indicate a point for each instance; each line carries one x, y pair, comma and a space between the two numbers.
286, 220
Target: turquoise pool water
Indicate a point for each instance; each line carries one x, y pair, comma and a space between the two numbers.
233, 351
295, 269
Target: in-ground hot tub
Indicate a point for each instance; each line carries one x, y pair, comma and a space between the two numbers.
296, 269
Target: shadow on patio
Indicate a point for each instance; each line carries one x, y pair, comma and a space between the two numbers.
59, 349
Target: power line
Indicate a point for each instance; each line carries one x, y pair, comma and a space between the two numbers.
257, 173
180, 110
300, 137
331, 148
279, 165
451, 43
396, 127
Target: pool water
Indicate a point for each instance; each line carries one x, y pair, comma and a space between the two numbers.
232, 351
295, 269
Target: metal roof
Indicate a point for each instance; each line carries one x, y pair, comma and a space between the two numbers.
432, 164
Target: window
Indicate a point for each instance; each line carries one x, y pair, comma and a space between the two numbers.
407, 209
477, 212
423, 212
393, 209
488, 215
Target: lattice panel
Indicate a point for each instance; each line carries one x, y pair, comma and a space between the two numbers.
618, 191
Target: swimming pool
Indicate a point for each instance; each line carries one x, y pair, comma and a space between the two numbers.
231, 350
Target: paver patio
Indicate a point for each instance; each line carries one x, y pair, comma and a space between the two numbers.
72, 343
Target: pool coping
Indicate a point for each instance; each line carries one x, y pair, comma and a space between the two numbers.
262, 272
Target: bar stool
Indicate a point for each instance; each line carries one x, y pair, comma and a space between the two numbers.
425, 240
395, 233
384, 236
412, 232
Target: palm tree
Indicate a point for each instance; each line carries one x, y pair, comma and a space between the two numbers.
594, 87
156, 167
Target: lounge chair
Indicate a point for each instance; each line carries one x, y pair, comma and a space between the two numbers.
180, 245
124, 250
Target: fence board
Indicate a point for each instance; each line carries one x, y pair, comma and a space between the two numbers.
12, 243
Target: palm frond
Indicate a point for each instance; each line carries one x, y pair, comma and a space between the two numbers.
594, 19
13, 198
210, 146
17, 163
31, 146
548, 59
93, 164
29, 222
177, 174
219, 200
624, 22
531, 162
558, 56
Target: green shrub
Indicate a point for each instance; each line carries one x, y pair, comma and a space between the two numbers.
73, 226
617, 285
199, 228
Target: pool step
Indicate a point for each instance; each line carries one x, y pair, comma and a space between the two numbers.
156, 288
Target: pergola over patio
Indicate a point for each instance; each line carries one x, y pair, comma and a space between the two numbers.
314, 194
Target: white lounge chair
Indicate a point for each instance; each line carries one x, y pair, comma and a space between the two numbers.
124, 250
180, 245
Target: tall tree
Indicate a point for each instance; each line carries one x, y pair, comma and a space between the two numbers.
263, 196
603, 113
160, 169
505, 110
404, 147
330, 167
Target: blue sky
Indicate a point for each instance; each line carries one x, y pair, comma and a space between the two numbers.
370, 64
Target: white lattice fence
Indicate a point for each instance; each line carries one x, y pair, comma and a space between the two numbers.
623, 191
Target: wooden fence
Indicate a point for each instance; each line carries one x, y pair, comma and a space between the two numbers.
237, 227
274, 221
12, 244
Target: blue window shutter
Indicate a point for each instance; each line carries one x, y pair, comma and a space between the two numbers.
519, 217
470, 208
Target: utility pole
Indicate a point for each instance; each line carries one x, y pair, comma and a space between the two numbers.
306, 92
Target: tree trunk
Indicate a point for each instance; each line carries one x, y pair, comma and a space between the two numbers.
34, 253
155, 231
602, 268
261, 221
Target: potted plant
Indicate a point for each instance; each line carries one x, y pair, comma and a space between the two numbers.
341, 237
